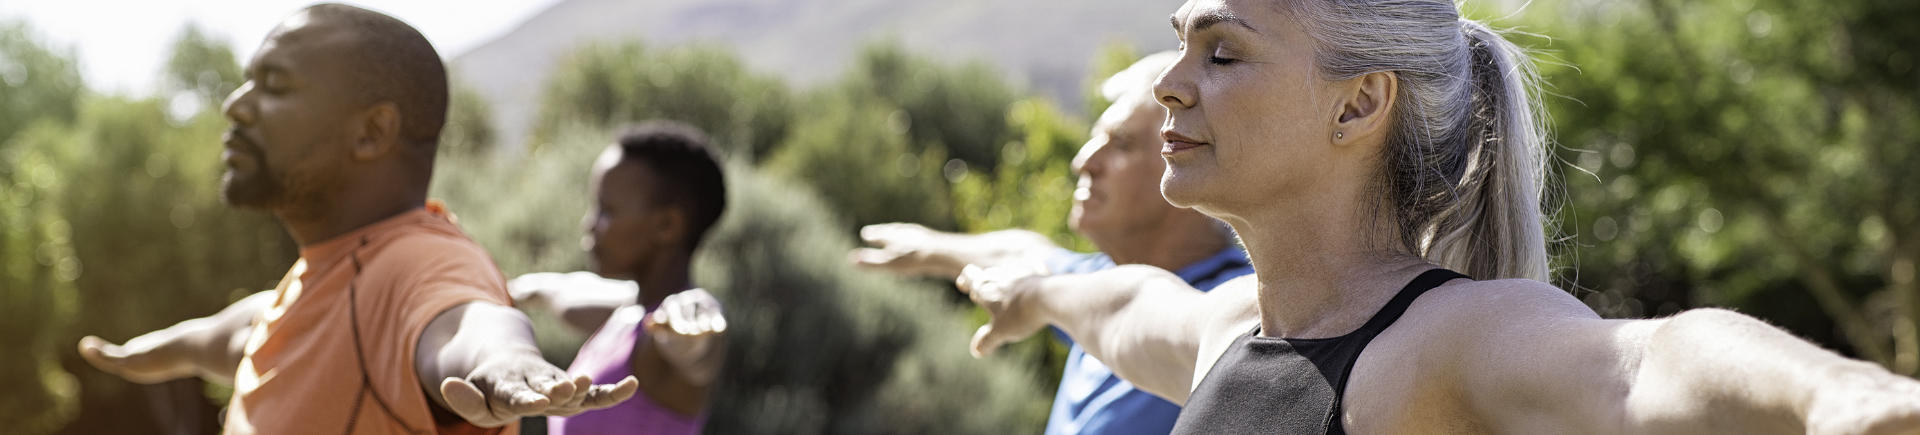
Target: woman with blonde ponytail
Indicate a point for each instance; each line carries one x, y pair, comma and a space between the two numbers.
1383, 162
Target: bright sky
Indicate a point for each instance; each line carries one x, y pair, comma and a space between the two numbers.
123, 44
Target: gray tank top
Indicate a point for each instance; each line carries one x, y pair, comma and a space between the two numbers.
1289, 385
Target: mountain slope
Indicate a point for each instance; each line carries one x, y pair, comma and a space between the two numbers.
1044, 46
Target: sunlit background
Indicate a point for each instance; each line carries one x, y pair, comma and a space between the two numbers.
1750, 154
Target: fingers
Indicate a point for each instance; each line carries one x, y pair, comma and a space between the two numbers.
602, 396
135, 363
879, 235
875, 257
690, 313
969, 276
519, 398
581, 385
985, 341
101, 354
465, 400
558, 390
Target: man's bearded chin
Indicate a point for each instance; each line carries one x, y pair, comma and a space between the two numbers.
256, 189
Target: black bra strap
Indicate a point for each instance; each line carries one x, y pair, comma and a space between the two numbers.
1426, 281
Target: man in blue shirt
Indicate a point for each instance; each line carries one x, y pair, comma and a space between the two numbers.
1117, 205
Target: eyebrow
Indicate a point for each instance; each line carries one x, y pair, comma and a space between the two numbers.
259, 70
1210, 18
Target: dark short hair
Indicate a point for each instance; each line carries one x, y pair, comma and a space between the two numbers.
393, 62
687, 169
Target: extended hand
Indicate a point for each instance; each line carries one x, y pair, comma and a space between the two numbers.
1001, 290
147, 359
506, 388
688, 328
1876, 403
905, 249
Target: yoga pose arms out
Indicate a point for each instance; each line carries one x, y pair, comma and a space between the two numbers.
914, 250
1550, 364
209, 347
581, 300
1148, 325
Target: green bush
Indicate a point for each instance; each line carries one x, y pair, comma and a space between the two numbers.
960, 109
858, 155
147, 243
1757, 155
608, 85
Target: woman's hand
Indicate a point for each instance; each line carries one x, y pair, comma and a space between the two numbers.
1866, 401
1003, 291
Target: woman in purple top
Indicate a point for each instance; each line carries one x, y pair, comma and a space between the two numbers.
656, 193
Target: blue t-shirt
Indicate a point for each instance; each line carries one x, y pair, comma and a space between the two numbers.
1092, 400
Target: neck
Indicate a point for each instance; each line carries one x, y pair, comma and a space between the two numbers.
359, 201
1187, 238
1320, 273
663, 277
315, 226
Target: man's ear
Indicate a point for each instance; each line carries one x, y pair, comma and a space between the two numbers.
1365, 107
378, 132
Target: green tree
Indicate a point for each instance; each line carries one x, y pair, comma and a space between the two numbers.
958, 108
1754, 154
858, 154
203, 65
36, 82
1033, 187
469, 128
607, 85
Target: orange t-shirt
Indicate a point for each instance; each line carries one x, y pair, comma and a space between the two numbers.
334, 354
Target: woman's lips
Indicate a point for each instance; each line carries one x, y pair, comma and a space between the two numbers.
1171, 148
1176, 142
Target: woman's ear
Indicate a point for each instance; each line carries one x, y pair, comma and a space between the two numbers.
670, 225
1366, 106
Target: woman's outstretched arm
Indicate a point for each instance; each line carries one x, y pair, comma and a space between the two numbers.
1550, 362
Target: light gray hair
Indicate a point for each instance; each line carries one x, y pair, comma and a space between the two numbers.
1464, 169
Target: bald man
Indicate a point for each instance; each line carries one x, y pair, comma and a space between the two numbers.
393, 320
1118, 207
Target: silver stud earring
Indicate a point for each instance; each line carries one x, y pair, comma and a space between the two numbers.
1339, 135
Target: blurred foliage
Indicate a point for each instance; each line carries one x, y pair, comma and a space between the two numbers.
858, 154
608, 85
202, 66
36, 82
470, 128
1033, 187
1756, 154
1111, 59
959, 109
114, 227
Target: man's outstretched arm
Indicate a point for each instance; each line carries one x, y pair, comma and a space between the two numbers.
209, 347
915, 250
479, 361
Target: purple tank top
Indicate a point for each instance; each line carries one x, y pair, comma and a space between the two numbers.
604, 357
